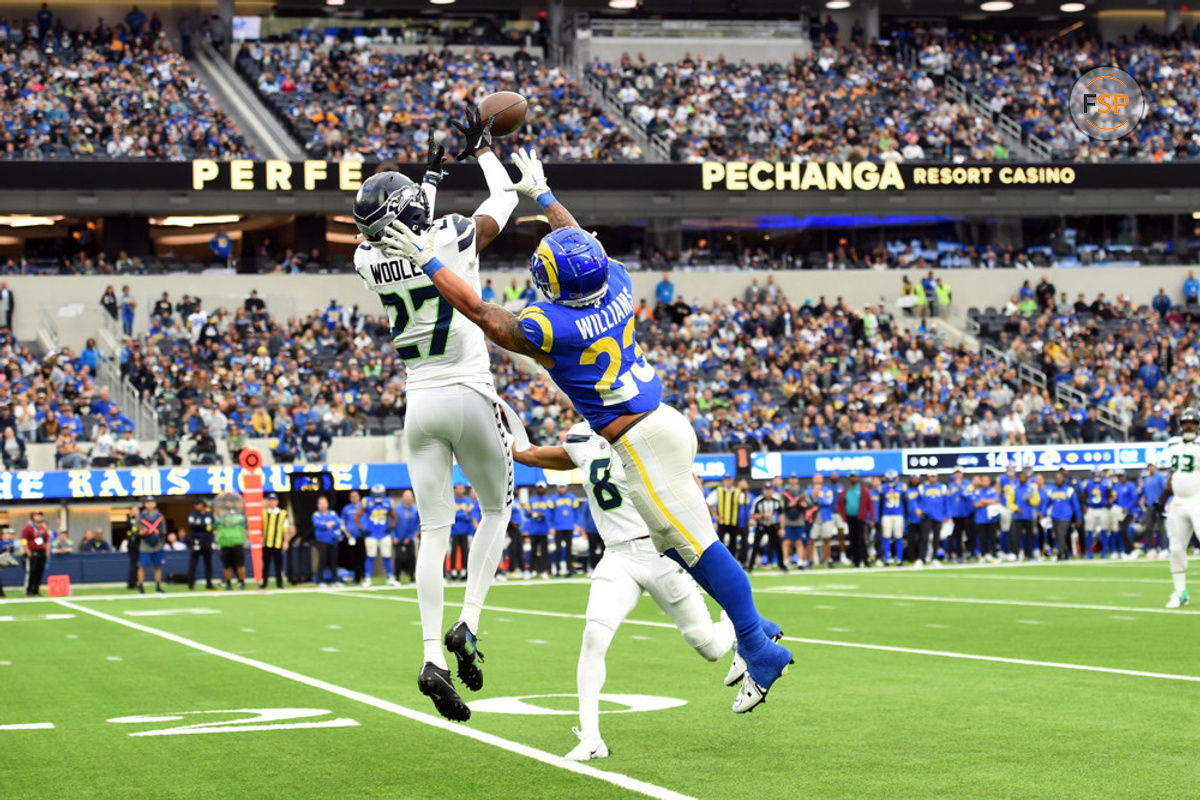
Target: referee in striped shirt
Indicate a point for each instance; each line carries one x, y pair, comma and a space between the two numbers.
727, 501
767, 515
277, 532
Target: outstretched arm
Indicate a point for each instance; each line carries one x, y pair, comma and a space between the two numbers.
534, 186
497, 323
544, 457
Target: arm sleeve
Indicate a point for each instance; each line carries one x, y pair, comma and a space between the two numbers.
499, 204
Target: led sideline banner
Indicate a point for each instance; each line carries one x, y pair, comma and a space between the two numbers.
184, 481
297, 177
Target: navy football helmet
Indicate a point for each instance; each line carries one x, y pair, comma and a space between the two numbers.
570, 267
386, 197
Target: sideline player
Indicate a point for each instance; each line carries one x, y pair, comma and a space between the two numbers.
453, 409
584, 336
1183, 517
376, 519
891, 520
629, 566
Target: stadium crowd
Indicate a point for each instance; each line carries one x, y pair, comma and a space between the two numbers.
1030, 78
842, 103
761, 370
358, 102
109, 91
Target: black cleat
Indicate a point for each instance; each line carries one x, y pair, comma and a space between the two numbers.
434, 683
461, 642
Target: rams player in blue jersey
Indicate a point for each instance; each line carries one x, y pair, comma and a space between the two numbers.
583, 334
376, 518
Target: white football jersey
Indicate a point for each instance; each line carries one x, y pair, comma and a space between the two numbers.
1183, 459
438, 345
612, 510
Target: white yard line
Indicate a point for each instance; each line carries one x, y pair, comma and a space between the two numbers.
976, 601
862, 645
1164, 581
614, 778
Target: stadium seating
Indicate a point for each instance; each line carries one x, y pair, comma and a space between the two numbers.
758, 371
358, 102
102, 93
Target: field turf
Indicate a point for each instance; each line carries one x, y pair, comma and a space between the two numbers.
1039, 681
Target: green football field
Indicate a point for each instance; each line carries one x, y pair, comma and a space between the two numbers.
1037, 681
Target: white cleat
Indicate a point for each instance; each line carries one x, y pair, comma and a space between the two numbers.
366, 583
393, 582
587, 749
1178, 599
749, 696
737, 669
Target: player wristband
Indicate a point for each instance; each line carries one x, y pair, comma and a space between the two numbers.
546, 199
432, 265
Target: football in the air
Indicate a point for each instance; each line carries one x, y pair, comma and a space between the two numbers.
508, 108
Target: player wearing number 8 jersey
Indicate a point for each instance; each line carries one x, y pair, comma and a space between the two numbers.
629, 566
1183, 517
453, 410
584, 336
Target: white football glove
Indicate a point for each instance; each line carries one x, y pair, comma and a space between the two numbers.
533, 178
398, 239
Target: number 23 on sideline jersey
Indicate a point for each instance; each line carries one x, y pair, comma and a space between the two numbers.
597, 362
438, 348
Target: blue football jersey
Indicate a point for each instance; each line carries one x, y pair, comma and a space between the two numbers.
376, 516
597, 361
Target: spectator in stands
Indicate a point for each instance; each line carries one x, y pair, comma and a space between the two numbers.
68, 454
166, 454
314, 442
93, 542
13, 450
664, 292
127, 448
7, 304
1191, 290
221, 246
288, 446
103, 447
204, 449
62, 544
1161, 303
108, 301
128, 305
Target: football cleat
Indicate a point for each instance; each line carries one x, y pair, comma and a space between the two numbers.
434, 683
1179, 599
462, 643
752, 693
588, 748
737, 668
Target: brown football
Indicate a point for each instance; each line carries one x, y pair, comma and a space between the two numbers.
509, 110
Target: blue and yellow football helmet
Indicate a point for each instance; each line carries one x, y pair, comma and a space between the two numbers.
570, 267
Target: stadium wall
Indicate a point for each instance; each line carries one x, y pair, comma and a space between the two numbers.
72, 302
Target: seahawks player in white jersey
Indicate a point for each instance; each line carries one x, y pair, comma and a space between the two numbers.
453, 409
630, 565
1183, 517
